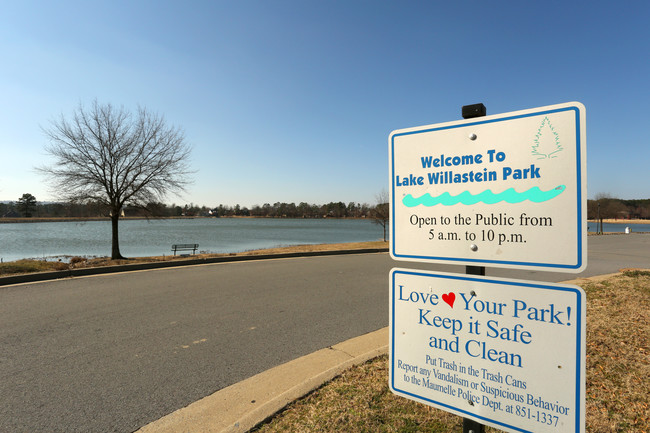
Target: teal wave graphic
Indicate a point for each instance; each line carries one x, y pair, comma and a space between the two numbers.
534, 194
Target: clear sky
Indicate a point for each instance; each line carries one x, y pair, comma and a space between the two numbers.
293, 101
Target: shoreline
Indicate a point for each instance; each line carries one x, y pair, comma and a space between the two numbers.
76, 219
617, 221
25, 271
19, 220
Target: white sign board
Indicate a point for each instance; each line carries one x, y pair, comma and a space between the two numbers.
505, 353
507, 190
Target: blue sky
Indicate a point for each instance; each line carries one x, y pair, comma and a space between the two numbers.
294, 100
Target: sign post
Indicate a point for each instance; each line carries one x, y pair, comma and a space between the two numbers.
470, 112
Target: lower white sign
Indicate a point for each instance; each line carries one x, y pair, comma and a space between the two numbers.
506, 353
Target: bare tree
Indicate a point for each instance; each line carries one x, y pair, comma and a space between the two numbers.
606, 207
381, 212
116, 158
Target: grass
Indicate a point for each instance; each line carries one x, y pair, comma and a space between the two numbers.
29, 266
618, 377
618, 354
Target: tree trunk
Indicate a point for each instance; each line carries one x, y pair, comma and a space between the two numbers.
115, 244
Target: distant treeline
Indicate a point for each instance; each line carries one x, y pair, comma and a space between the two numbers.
614, 208
605, 207
277, 210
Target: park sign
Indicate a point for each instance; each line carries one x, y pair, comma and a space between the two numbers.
505, 353
507, 190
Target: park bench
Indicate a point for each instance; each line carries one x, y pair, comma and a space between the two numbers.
185, 247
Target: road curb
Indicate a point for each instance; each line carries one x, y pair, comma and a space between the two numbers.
82, 272
240, 407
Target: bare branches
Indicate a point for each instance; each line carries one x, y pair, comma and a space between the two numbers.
381, 211
107, 154
114, 157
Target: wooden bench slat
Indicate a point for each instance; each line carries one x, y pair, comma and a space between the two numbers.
185, 247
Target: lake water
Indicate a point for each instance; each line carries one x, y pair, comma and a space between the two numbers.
592, 227
214, 235
155, 237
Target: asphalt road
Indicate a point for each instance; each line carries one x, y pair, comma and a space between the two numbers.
115, 352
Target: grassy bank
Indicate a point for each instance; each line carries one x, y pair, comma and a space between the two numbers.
618, 377
29, 266
622, 221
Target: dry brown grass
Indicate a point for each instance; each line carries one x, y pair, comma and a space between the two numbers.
618, 354
29, 266
319, 247
359, 401
618, 377
617, 221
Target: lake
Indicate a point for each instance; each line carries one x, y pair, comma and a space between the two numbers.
592, 227
140, 238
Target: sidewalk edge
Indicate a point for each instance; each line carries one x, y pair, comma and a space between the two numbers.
241, 406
